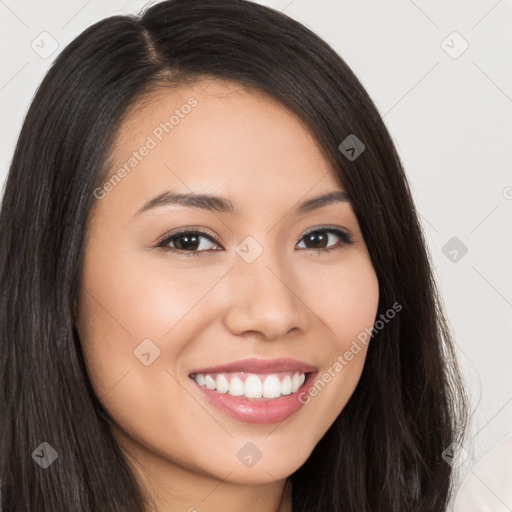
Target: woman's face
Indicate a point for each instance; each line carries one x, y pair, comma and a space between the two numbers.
246, 300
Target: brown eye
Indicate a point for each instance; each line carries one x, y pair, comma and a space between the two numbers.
320, 239
191, 242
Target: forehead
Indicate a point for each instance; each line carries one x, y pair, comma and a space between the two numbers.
216, 137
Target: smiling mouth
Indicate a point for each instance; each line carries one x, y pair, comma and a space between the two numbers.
252, 386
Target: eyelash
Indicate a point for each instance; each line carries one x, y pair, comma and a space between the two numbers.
345, 236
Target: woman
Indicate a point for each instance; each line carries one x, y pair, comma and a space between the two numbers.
298, 361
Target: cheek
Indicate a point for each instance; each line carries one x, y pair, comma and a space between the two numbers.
125, 303
347, 303
138, 296
346, 298
133, 305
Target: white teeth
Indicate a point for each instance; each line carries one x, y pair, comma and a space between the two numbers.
295, 383
236, 387
286, 385
209, 382
271, 387
222, 383
253, 387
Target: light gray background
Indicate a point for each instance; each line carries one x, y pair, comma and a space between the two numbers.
450, 119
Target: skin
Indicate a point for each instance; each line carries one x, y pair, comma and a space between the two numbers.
292, 301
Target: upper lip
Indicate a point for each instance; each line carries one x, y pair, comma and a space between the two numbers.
252, 365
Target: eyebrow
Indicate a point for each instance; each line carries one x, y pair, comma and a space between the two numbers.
220, 204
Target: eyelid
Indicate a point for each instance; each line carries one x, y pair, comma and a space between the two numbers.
324, 227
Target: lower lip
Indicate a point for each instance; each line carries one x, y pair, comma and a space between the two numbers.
253, 410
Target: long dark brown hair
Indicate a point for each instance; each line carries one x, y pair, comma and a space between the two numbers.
384, 451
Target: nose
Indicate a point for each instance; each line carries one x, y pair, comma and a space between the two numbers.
264, 300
